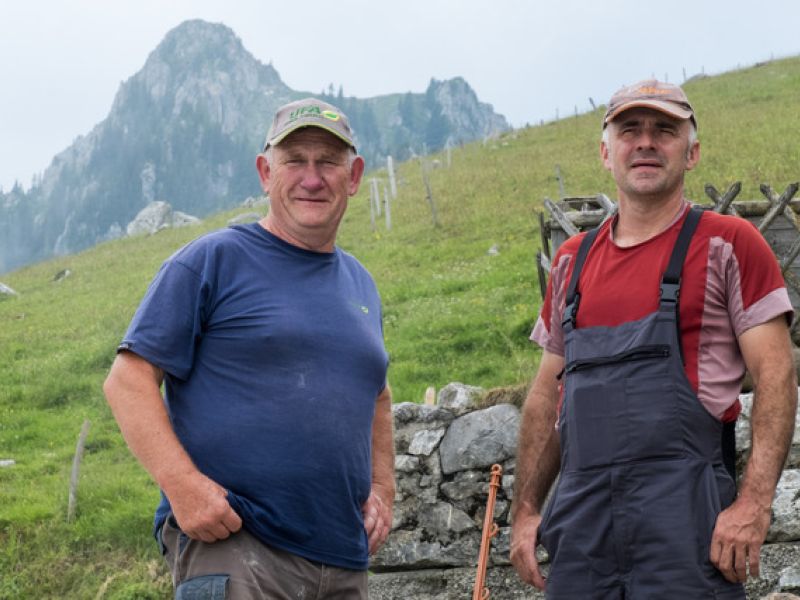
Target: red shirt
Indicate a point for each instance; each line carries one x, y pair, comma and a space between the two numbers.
731, 282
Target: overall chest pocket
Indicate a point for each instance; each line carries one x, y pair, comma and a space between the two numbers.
620, 408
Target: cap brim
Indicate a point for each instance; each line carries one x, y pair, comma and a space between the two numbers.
669, 108
300, 125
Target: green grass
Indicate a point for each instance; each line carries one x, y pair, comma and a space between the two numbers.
452, 312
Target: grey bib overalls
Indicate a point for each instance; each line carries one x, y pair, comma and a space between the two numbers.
642, 476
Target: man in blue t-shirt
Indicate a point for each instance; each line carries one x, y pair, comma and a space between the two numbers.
273, 442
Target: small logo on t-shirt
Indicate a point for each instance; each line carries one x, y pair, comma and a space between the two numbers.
361, 307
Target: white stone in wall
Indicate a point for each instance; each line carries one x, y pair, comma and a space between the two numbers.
424, 442
785, 525
403, 463
458, 397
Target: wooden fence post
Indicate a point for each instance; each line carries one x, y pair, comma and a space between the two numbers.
387, 208
560, 180
428, 192
376, 197
371, 202
392, 182
430, 396
72, 504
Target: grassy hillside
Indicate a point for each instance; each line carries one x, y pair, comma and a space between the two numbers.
453, 312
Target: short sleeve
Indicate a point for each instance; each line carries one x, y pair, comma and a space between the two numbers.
755, 286
547, 332
168, 324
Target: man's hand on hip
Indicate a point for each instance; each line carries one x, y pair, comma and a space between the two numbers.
201, 508
736, 543
523, 550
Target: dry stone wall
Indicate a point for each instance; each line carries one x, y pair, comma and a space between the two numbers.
443, 458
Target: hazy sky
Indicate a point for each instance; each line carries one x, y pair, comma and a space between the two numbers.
61, 62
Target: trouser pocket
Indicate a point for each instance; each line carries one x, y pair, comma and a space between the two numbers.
173, 542
204, 587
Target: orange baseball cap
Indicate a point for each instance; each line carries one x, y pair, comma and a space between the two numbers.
651, 93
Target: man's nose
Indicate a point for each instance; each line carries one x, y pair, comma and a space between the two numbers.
312, 177
646, 138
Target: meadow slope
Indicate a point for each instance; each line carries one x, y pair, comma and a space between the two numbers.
452, 312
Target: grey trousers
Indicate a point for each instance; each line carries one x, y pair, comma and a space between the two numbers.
243, 568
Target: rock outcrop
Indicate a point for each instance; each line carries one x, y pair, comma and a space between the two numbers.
6, 291
156, 216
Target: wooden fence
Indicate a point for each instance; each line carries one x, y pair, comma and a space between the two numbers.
776, 218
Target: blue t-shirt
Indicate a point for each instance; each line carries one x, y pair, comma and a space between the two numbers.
273, 359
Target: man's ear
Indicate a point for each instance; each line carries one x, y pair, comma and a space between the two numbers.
356, 171
262, 166
604, 155
693, 155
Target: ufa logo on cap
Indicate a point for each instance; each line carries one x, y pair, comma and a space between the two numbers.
313, 110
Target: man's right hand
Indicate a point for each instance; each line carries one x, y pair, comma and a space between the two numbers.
201, 508
523, 550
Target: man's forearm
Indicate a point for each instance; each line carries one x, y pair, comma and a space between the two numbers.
199, 504
772, 426
538, 457
383, 446
133, 392
767, 352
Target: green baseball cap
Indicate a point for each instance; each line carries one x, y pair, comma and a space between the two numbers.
309, 112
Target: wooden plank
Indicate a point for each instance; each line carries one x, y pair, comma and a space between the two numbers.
543, 232
557, 237
723, 202
793, 284
560, 217
587, 219
728, 197
788, 260
540, 271
607, 204
773, 198
776, 209
546, 264
778, 205
758, 208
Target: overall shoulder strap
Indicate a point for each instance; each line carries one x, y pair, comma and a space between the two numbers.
670, 290
573, 298
671, 281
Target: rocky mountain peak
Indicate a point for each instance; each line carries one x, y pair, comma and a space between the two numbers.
185, 129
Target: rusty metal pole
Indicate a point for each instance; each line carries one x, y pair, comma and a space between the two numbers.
481, 592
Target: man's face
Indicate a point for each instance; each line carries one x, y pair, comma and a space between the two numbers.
648, 152
309, 180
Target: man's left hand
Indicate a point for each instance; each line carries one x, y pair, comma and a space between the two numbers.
377, 520
736, 542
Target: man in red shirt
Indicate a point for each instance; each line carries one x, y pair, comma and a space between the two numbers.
647, 328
